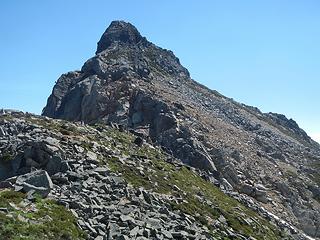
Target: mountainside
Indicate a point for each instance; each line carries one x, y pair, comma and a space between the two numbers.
264, 156
130, 147
114, 185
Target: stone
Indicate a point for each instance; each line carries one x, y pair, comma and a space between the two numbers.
179, 235
113, 230
72, 176
134, 232
137, 117
40, 155
262, 198
6, 184
167, 234
99, 238
4, 210
92, 157
124, 237
247, 189
56, 164
2, 132
126, 218
284, 189
222, 219
59, 178
138, 141
154, 223
226, 185
102, 170
38, 181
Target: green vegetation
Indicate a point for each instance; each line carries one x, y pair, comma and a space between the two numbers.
44, 219
6, 157
200, 198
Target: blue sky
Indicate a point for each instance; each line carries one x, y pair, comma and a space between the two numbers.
262, 53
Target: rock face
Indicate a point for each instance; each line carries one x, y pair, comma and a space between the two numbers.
139, 86
120, 32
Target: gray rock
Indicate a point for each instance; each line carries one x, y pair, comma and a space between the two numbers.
134, 232
247, 189
137, 117
99, 238
154, 223
39, 155
113, 230
2, 132
39, 181
119, 31
284, 189
124, 237
126, 218
4, 210
167, 234
102, 170
92, 157
6, 184
261, 196
138, 141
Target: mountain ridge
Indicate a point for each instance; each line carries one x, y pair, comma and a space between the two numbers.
264, 160
143, 87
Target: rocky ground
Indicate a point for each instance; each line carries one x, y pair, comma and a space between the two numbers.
137, 85
113, 184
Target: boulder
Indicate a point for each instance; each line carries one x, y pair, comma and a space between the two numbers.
261, 195
39, 155
247, 189
138, 141
284, 189
38, 181
2, 132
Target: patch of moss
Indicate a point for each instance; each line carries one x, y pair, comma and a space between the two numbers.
7, 197
6, 157
48, 221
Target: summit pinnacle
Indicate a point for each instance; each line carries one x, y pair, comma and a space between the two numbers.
121, 32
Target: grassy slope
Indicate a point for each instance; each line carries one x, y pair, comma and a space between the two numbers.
163, 177
42, 220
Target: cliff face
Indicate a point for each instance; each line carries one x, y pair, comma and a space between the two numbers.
264, 159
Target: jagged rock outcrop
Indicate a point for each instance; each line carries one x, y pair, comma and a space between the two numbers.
119, 32
140, 86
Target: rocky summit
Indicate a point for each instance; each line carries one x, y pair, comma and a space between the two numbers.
130, 147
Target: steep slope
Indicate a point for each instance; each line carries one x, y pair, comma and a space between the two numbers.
115, 186
265, 159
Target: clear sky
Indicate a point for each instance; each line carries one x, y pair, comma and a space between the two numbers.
263, 53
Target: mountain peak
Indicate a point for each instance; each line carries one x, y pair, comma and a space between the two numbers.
119, 31
137, 86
